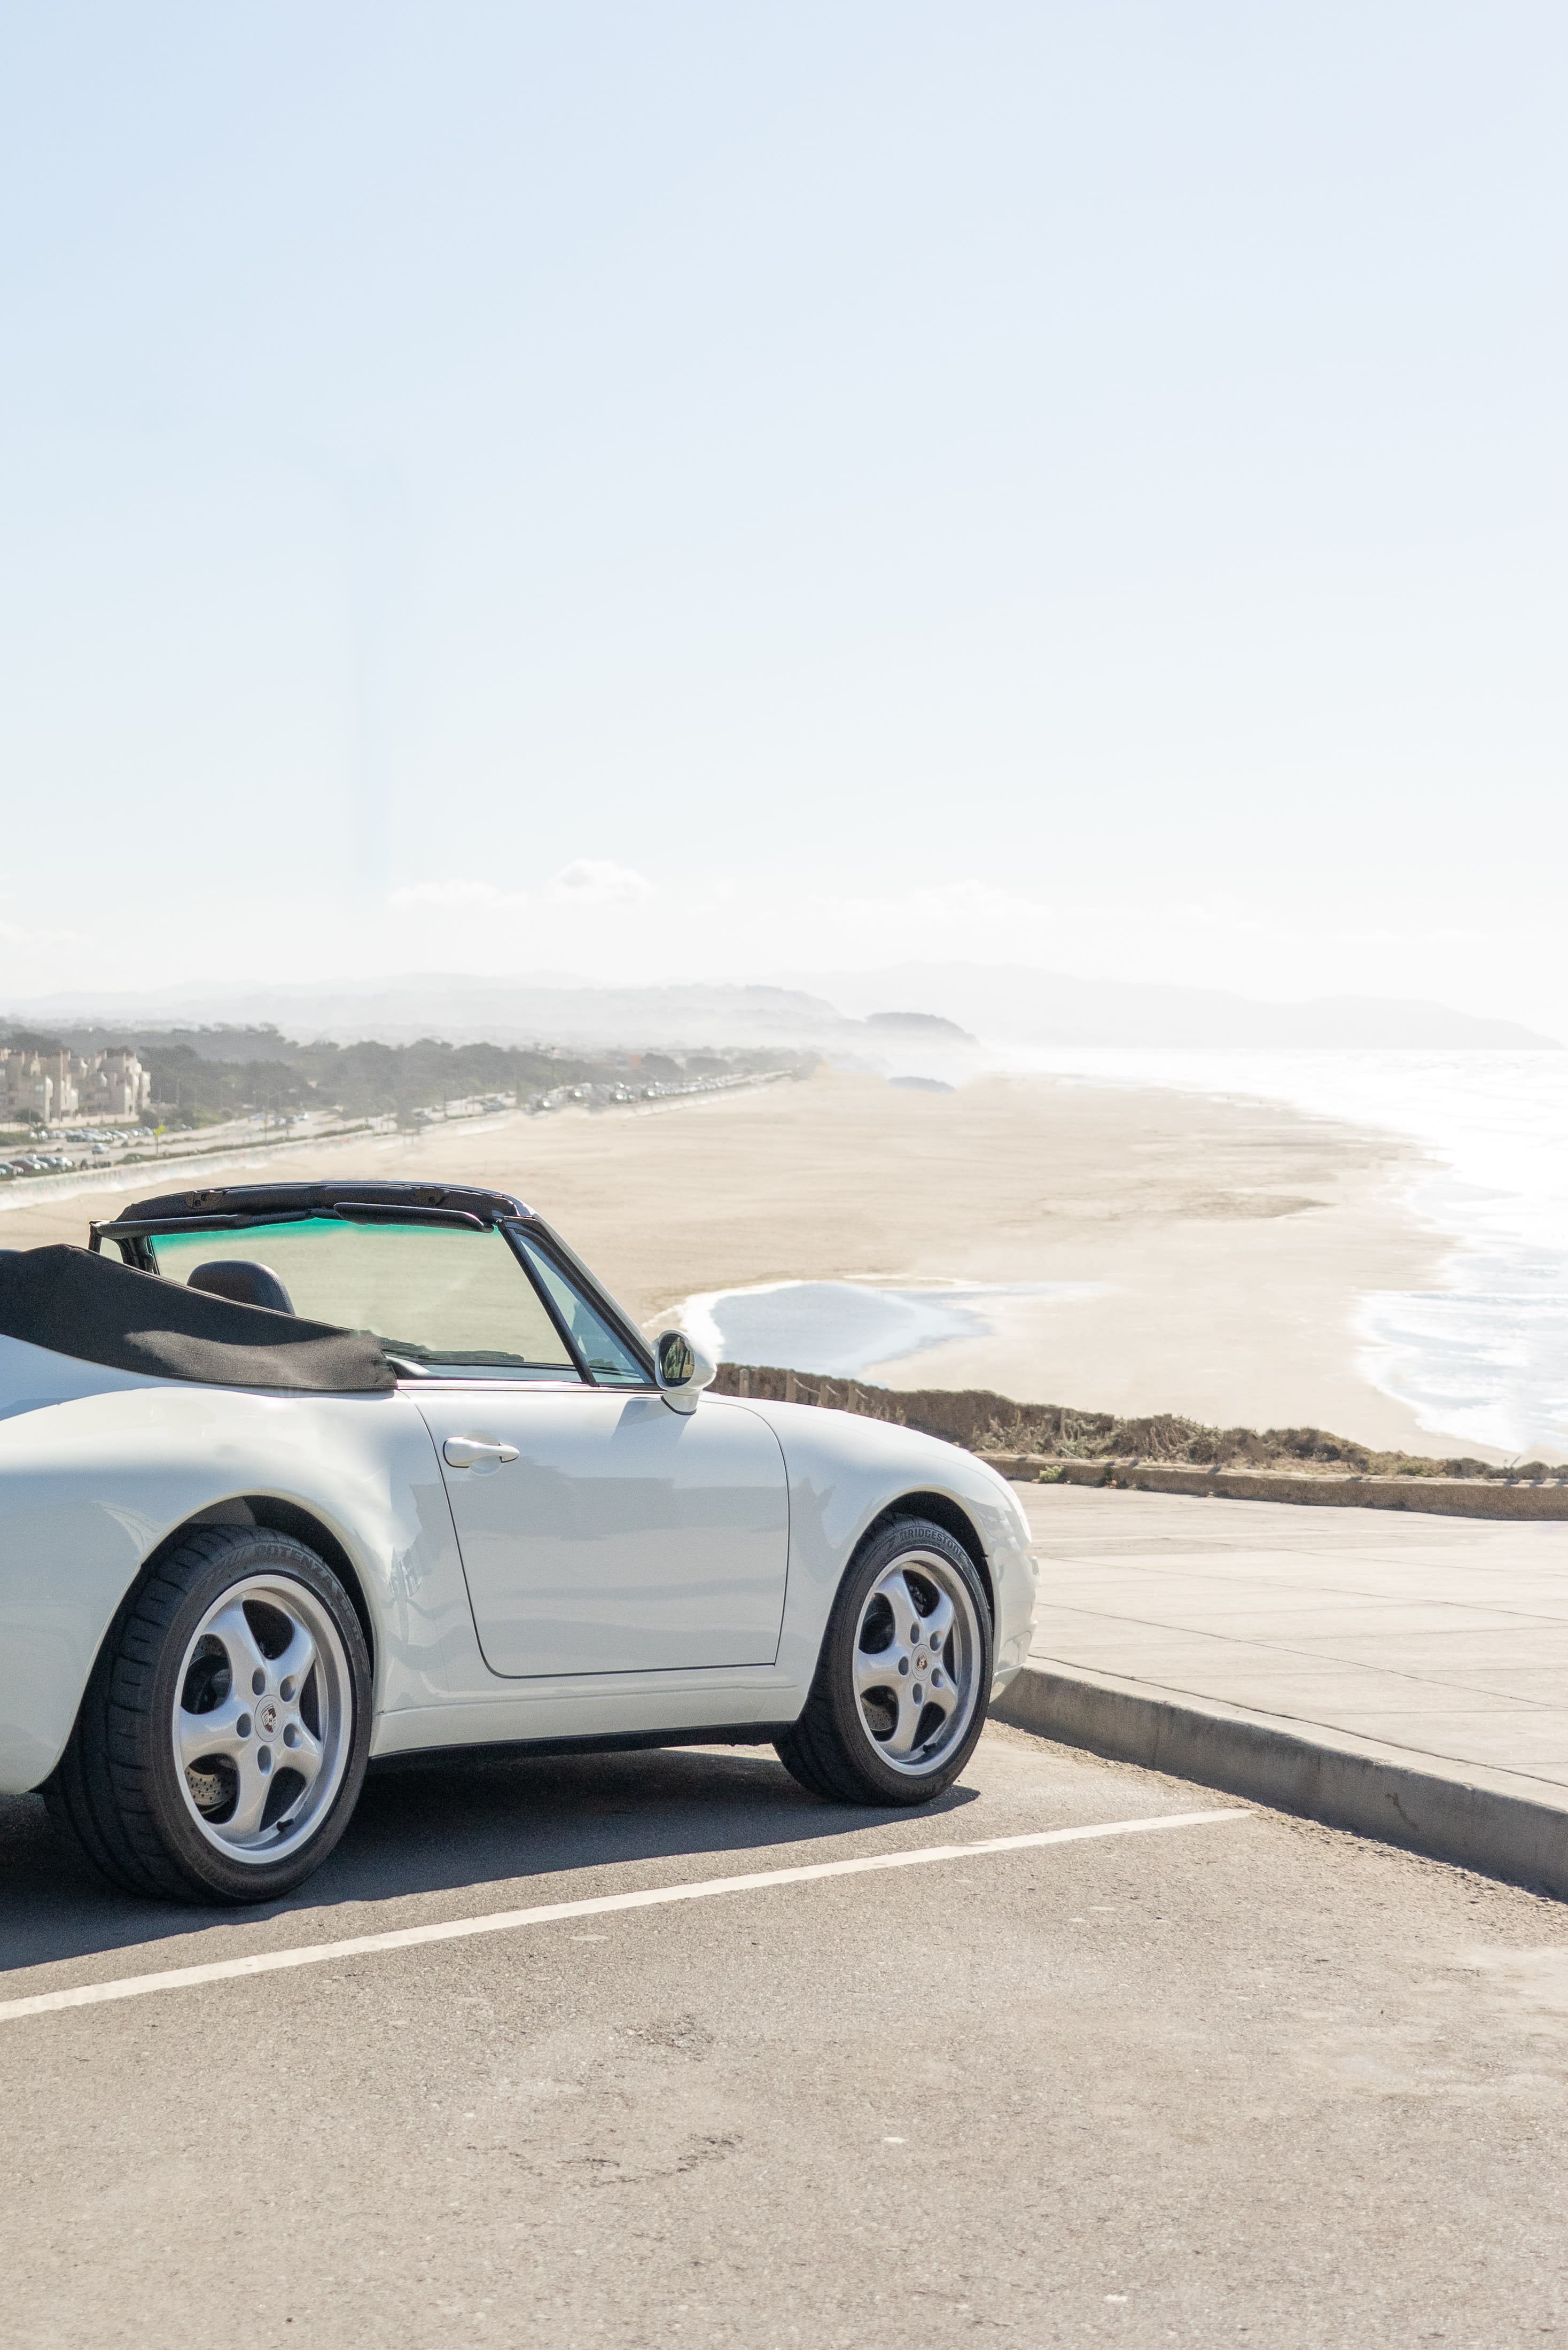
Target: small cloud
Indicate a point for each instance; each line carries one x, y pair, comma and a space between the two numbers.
596, 882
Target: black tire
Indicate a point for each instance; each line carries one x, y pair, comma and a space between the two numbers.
120, 1786
833, 1750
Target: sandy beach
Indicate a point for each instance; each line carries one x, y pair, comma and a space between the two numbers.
1229, 1242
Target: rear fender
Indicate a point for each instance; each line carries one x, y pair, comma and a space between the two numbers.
92, 1486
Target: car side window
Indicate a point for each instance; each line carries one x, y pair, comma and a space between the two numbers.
610, 1359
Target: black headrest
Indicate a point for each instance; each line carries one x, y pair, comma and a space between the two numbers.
242, 1281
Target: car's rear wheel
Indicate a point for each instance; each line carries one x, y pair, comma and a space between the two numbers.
904, 1679
223, 1740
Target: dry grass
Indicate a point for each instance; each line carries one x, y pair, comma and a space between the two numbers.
985, 1422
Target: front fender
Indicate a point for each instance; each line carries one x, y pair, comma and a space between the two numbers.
844, 1471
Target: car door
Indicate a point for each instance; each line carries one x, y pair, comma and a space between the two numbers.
603, 1532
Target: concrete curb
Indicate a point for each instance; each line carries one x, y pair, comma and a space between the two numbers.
1324, 1776
1458, 1497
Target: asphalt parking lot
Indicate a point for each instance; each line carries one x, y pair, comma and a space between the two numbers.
1245, 2079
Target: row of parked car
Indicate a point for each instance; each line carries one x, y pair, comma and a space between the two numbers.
37, 1162
93, 1143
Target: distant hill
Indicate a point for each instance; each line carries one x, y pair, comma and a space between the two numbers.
1006, 1004
904, 1015
929, 1027
463, 1010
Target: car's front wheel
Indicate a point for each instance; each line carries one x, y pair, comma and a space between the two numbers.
223, 1740
904, 1679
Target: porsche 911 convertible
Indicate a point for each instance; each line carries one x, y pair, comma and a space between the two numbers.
294, 1477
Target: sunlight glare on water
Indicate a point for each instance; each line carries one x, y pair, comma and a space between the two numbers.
1485, 1356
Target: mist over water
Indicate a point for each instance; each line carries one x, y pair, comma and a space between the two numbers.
1485, 1356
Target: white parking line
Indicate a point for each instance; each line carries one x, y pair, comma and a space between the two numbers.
504, 1921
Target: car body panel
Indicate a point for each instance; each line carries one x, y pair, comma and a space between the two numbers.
98, 1467
92, 1484
845, 1470
625, 1537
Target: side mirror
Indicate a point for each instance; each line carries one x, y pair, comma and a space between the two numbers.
683, 1369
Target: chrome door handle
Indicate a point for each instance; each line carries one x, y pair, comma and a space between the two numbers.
467, 1451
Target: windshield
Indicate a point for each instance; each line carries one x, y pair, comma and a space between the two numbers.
442, 1300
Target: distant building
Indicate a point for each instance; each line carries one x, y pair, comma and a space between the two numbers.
114, 1084
48, 1088
34, 1085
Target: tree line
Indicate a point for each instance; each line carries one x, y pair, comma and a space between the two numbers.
201, 1076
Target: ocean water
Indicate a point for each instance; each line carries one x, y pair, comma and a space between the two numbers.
838, 1329
1484, 1356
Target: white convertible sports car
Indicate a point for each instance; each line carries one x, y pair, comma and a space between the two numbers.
295, 1476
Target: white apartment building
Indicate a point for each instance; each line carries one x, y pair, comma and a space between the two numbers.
113, 1084
54, 1087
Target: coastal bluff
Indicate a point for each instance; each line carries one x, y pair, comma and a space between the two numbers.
1164, 1453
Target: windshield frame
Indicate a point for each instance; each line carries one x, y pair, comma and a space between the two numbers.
133, 1234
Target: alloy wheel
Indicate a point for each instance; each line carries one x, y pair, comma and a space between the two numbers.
917, 1651
263, 1718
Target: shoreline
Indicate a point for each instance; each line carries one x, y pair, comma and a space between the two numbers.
1229, 1244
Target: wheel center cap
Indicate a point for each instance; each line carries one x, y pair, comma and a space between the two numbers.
266, 1718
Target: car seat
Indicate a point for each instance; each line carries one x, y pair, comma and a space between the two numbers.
242, 1283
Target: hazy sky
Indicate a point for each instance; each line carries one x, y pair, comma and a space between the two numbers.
694, 490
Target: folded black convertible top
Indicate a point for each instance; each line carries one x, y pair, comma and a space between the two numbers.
75, 1303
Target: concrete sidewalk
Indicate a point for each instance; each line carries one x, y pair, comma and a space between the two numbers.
1406, 1676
